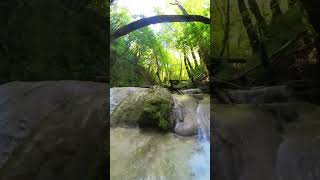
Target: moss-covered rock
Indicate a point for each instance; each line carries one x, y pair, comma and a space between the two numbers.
150, 108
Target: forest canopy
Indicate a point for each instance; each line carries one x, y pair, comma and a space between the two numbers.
159, 53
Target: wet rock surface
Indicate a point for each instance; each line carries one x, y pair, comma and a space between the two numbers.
147, 109
127, 108
53, 130
185, 112
141, 153
278, 141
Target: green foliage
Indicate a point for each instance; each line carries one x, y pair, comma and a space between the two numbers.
277, 32
157, 52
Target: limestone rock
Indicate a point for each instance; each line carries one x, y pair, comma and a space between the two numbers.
53, 130
150, 108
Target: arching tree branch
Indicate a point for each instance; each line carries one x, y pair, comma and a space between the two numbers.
155, 20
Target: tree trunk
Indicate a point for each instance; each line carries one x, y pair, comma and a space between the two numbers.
275, 8
187, 68
254, 8
189, 63
226, 30
194, 57
180, 70
158, 67
258, 46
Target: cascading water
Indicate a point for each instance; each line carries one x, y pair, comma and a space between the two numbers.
200, 161
150, 155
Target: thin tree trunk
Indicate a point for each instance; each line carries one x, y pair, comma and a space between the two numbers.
194, 57
183, 10
180, 70
258, 46
226, 30
189, 63
187, 68
254, 8
158, 67
275, 8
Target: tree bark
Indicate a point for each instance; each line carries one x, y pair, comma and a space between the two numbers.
155, 20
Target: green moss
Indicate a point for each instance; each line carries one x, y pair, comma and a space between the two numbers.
149, 109
163, 124
156, 112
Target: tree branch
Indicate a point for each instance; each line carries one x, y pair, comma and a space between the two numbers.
155, 20
183, 10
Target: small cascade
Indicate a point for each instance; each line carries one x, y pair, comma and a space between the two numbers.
200, 161
184, 154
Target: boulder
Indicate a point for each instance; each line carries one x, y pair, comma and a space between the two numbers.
53, 130
150, 108
184, 112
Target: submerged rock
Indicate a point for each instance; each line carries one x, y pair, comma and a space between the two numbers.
139, 154
149, 108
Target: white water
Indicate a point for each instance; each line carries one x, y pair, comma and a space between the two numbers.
200, 161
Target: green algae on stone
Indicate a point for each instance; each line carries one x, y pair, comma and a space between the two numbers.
148, 109
156, 109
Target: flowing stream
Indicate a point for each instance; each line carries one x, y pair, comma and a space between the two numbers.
200, 161
147, 155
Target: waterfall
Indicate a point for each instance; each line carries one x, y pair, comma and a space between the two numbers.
184, 154
200, 161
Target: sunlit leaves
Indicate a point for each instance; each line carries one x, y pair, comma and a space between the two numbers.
159, 51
